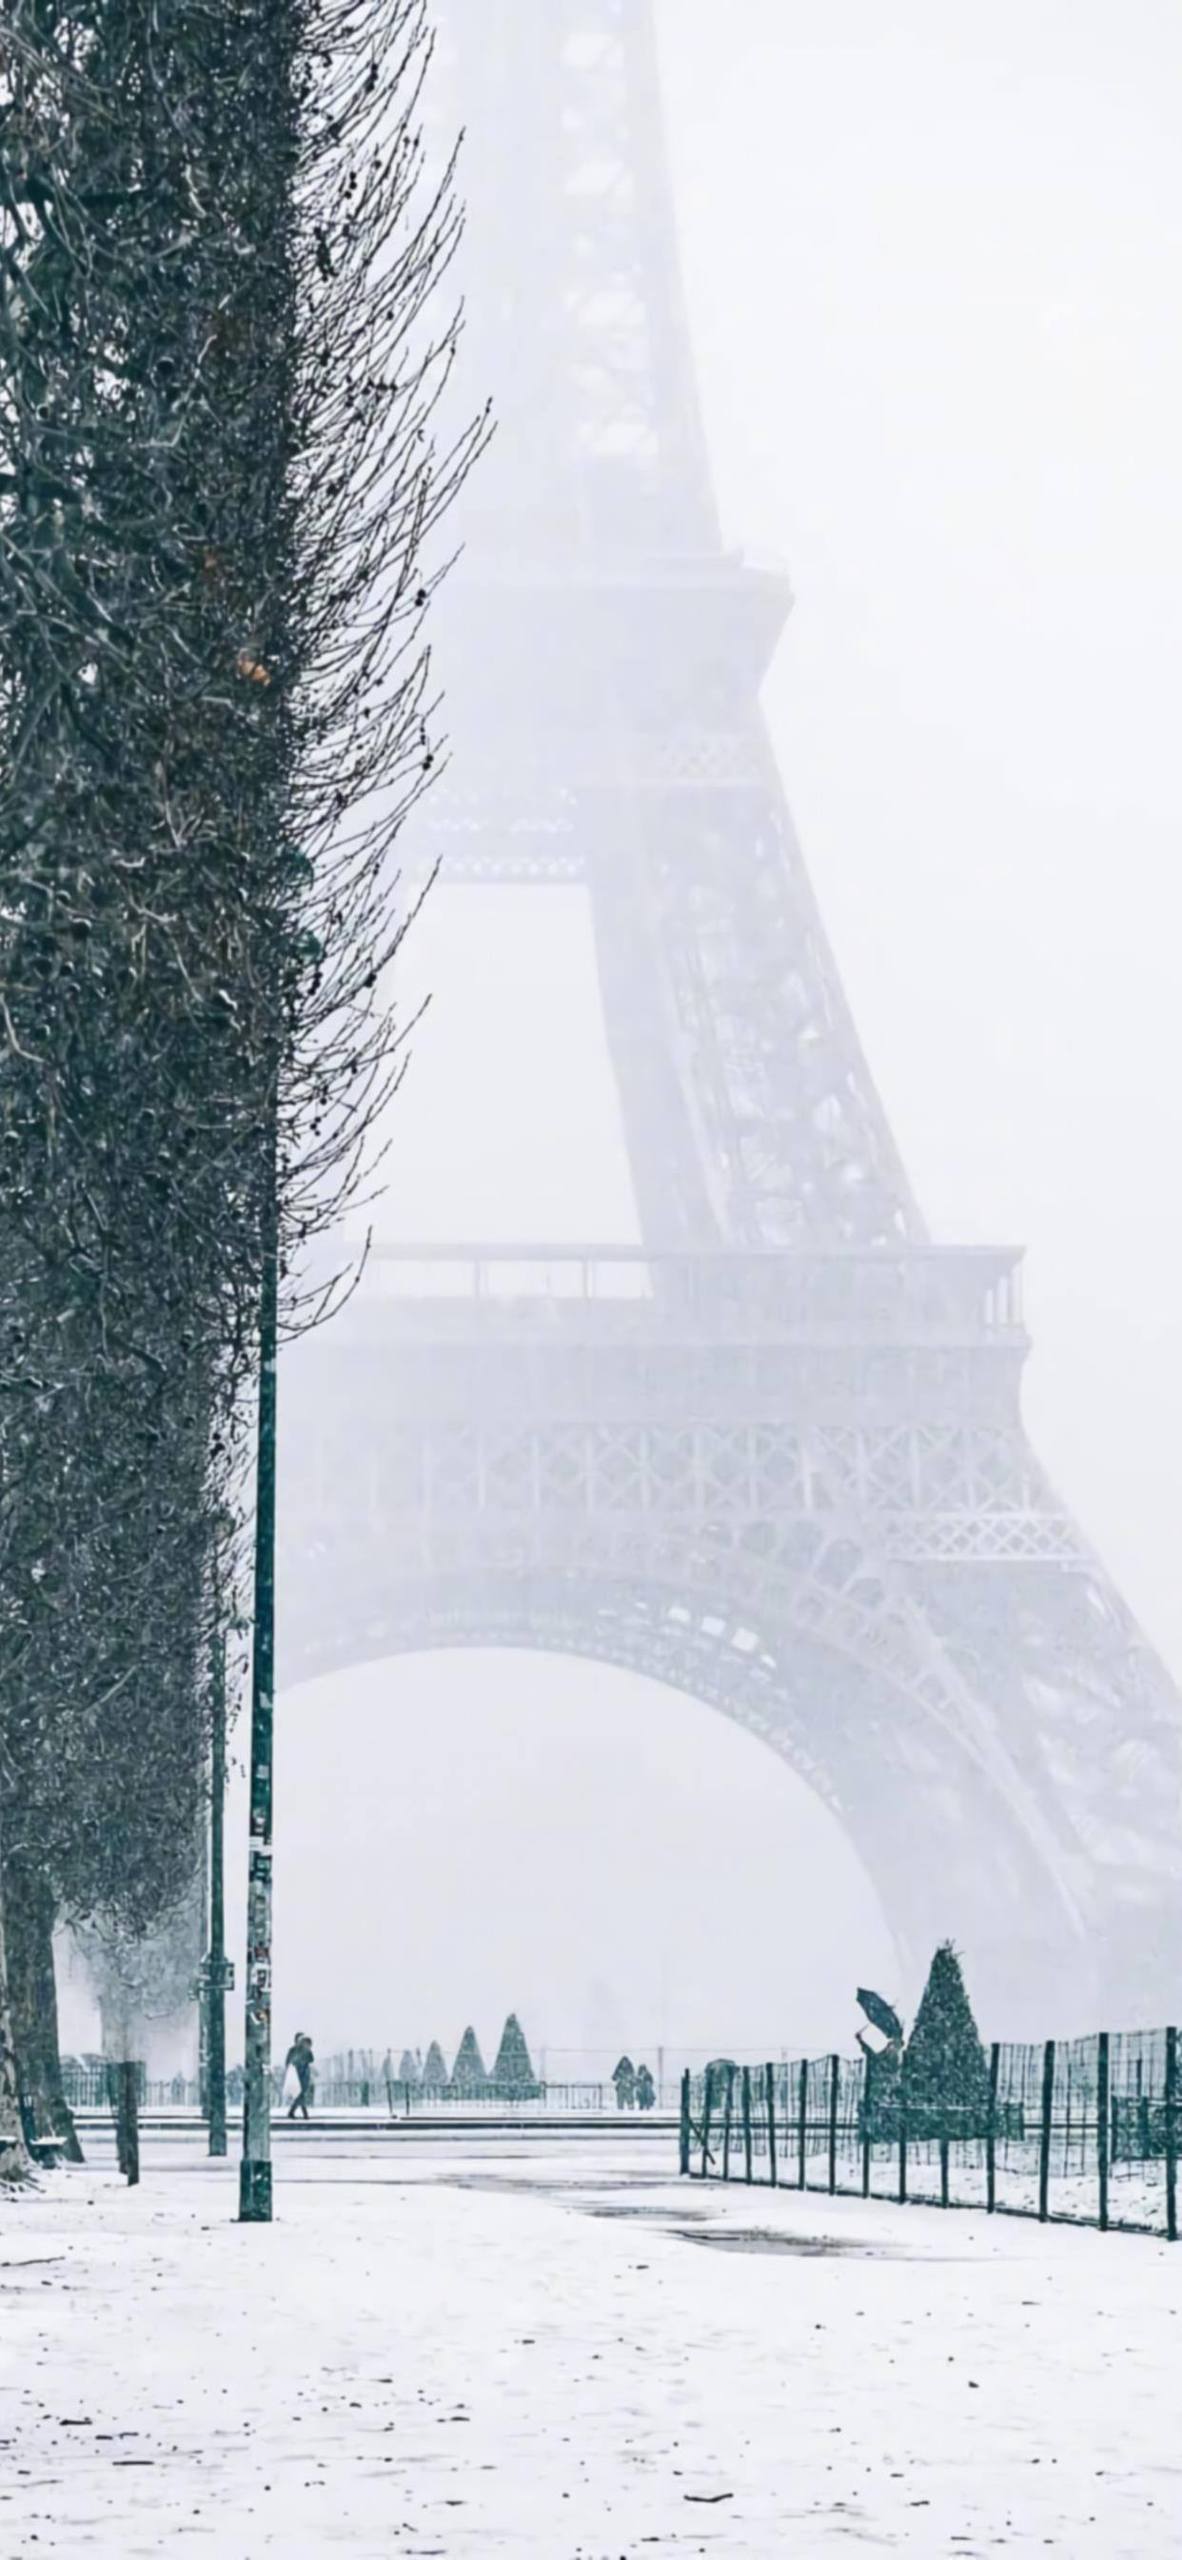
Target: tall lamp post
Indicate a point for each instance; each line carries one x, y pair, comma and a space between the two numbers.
254, 2178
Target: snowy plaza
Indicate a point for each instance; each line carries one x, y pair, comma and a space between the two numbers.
552, 2347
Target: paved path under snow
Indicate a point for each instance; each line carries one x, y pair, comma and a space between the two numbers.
563, 2355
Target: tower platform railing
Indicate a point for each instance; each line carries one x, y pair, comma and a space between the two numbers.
936, 1293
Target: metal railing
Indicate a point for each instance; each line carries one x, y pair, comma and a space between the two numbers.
1081, 2131
958, 1293
87, 2084
406, 2098
347, 2084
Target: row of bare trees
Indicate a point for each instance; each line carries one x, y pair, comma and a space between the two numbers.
222, 475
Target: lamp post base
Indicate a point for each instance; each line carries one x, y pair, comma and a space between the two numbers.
254, 2191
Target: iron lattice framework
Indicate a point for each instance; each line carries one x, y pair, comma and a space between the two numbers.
775, 1456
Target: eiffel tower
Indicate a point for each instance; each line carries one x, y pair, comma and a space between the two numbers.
773, 1455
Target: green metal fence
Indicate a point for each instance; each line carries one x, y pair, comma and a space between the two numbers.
1080, 2131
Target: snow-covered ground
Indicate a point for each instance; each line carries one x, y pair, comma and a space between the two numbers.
557, 2350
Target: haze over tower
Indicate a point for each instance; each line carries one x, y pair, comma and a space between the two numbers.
774, 1455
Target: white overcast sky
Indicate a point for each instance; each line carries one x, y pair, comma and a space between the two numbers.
933, 257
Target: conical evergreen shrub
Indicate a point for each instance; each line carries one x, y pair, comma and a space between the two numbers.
945, 2078
434, 2079
468, 2072
408, 2070
513, 2072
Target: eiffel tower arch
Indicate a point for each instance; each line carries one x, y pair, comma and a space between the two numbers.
773, 1454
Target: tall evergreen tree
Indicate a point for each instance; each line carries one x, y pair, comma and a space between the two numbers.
513, 2072
945, 2076
434, 2081
469, 2078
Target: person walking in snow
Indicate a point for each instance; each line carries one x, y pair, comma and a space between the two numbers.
646, 2093
300, 2060
624, 2078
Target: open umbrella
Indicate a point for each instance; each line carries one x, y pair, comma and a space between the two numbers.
881, 2015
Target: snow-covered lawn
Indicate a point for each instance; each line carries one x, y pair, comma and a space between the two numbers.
556, 2350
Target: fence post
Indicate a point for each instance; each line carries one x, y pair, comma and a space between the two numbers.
802, 2128
129, 2124
991, 2130
865, 2069
747, 2120
726, 2120
1142, 2113
944, 2168
1102, 2088
1171, 2133
834, 2076
685, 2124
114, 2101
902, 2148
707, 2094
770, 2085
1044, 2147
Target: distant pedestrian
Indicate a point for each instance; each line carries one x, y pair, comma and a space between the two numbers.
646, 2094
624, 2077
301, 2060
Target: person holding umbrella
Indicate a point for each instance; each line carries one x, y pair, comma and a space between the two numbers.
883, 2064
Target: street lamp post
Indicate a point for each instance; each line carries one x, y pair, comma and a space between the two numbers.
254, 2182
